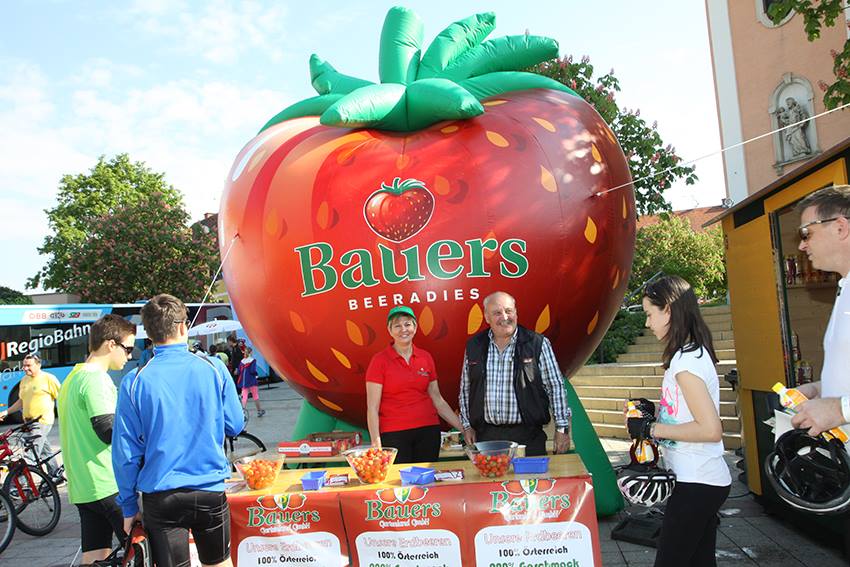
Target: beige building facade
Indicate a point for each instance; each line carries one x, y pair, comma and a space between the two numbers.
767, 76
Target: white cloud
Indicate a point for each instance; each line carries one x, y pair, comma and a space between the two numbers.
219, 31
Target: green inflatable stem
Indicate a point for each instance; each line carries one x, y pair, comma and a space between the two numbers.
401, 46
383, 103
606, 493
493, 84
510, 53
327, 80
308, 107
454, 41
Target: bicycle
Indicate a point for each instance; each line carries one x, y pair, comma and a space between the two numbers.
8, 521
28, 444
33, 494
242, 445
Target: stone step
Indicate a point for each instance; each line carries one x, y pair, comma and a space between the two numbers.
716, 310
727, 409
723, 354
730, 440
626, 392
731, 424
647, 338
658, 347
639, 369
626, 381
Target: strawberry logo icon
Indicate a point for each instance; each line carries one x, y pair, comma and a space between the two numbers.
398, 211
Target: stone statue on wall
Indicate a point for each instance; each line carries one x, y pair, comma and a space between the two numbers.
791, 118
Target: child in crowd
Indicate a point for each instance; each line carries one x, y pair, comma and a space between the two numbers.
248, 380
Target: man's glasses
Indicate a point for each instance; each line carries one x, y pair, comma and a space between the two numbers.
127, 349
804, 232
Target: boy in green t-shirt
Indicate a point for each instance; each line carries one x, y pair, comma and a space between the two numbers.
86, 411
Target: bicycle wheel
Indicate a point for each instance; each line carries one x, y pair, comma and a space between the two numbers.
8, 521
37, 505
243, 445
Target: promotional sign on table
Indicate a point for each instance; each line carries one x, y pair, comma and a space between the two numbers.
409, 526
529, 521
291, 528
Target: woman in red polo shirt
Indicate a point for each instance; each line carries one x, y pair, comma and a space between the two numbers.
403, 401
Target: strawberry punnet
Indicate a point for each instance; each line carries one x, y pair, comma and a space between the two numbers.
454, 176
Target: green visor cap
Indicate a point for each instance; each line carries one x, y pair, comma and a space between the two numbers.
400, 310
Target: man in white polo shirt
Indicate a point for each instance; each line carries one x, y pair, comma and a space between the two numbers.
825, 238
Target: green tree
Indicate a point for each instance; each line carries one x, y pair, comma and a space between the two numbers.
120, 233
673, 247
816, 15
650, 160
9, 296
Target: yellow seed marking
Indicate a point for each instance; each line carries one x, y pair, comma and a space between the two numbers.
625, 208
610, 135
473, 322
590, 230
616, 279
271, 224
354, 333
545, 123
496, 102
329, 404
317, 374
543, 320
341, 358
258, 157
402, 161
297, 322
426, 320
487, 252
497, 139
548, 180
323, 215
595, 151
450, 129
592, 325
441, 185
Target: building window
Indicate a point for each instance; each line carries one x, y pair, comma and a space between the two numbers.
762, 7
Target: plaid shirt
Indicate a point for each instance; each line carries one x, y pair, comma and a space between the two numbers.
500, 405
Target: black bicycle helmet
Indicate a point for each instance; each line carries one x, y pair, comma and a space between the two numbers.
646, 485
810, 473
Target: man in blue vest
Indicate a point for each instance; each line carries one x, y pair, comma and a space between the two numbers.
509, 380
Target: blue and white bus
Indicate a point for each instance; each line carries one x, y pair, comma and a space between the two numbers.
59, 335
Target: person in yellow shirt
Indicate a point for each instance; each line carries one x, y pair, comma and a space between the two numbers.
37, 397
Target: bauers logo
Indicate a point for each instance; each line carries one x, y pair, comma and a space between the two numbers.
401, 507
521, 498
281, 512
11, 349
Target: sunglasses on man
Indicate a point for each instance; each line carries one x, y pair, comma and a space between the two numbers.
804, 231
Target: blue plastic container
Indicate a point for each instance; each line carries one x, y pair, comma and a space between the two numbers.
416, 475
313, 480
530, 465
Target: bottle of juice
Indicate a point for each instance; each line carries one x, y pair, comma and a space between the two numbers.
791, 398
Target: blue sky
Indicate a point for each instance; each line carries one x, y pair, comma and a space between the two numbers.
183, 85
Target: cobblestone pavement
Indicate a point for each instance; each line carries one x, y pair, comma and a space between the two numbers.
748, 535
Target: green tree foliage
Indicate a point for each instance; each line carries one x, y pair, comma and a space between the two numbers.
121, 233
649, 158
625, 327
673, 247
9, 296
816, 15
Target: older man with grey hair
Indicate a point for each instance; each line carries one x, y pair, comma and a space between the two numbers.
509, 380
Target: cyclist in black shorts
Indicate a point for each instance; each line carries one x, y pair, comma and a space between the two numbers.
170, 425
86, 410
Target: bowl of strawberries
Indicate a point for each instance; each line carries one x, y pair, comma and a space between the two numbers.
492, 459
371, 464
259, 473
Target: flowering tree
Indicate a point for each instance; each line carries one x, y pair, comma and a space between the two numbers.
121, 233
654, 165
9, 296
815, 16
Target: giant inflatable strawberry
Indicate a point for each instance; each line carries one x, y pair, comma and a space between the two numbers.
455, 176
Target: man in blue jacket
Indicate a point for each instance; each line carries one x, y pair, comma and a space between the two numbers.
167, 442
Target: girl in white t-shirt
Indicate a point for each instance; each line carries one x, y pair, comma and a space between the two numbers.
688, 426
